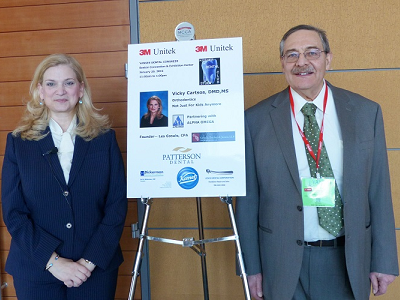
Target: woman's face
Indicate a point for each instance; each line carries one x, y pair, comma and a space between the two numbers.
60, 90
154, 107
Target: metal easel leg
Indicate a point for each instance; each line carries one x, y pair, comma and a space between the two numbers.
202, 251
139, 254
243, 275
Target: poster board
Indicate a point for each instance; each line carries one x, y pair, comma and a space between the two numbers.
185, 119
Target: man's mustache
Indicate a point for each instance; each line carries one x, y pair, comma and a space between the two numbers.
304, 69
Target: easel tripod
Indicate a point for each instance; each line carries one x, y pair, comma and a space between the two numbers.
197, 246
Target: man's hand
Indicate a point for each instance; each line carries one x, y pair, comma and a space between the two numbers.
380, 282
255, 286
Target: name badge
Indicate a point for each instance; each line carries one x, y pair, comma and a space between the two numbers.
318, 192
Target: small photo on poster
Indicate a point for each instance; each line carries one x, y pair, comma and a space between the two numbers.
209, 71
154, 109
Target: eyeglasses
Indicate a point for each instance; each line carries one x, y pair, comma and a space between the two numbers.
311, 54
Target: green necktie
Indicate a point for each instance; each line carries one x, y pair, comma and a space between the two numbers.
330, 218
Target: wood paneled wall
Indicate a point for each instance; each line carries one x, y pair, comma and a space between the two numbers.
97, 33
364, 50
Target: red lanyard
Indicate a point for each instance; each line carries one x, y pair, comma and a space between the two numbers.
321, 132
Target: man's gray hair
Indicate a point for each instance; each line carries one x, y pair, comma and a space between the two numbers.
321, 33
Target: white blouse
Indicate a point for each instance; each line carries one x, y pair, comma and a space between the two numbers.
65, 142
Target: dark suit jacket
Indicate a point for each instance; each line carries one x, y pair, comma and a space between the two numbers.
83, 219
163, 122
270, 217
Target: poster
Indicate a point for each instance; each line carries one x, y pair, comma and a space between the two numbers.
185, 133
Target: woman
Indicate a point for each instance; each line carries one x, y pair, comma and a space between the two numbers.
154, 116
63, 191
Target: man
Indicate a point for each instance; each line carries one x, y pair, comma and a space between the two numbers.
317, 221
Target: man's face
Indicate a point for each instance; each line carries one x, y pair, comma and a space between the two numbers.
305, 76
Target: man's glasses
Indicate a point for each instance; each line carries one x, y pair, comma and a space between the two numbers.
293, 56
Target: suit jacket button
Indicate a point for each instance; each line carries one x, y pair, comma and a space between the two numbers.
300, 242
69, 225
299, 208
66, 193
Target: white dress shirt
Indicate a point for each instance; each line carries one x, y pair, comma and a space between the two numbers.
65, 142
334, 146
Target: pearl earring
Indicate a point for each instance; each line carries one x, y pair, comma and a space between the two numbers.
41, 103
80, 101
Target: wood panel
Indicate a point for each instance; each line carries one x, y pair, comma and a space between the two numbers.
30, 18
10, 116
9, 291
131, 216
127, 266
127, 242
3, 257
99, 65
30, 3
93, 39
3, 140
121, 138
1, 163
116, 112
123, 285
358, 39
110, 89
5, 239
14, 93
1, 219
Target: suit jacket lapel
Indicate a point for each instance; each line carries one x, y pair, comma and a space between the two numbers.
46, 144
282, 122
80, 149
346, 115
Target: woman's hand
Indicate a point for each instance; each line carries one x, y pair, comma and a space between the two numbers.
73, 274
89, 266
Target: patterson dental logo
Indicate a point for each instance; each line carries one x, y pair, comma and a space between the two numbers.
187, 178
182, 158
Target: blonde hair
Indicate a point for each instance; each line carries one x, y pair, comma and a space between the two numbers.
36, 118
159, 113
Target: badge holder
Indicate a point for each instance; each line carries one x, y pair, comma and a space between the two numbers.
197, 246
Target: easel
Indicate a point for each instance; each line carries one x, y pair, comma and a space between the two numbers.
197, 246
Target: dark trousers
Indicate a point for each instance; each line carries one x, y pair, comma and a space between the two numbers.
99, 286
323, 275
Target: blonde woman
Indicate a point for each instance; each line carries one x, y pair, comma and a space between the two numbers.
154, 116
63, 191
